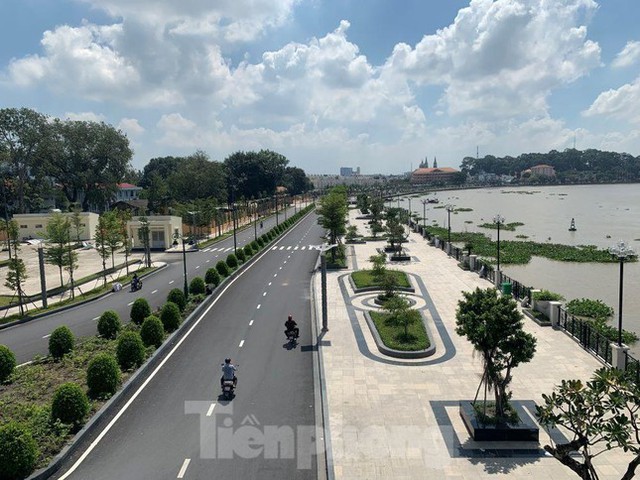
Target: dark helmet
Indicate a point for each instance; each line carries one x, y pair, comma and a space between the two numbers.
227, 360
290, 317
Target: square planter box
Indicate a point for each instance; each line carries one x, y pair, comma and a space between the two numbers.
524, 431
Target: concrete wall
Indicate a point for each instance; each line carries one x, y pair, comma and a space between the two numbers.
34, 225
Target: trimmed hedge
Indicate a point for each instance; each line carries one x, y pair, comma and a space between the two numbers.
240, 255
196, 286
212, 277
139, 311
170, 316
109, 325
130, 350
223, 269
61, 342
248, 250
232, 261
152, 331
255, 245
70, 404
176, 296
7, 363
18, 451
103, 376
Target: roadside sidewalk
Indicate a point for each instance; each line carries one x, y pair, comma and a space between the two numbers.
394, 418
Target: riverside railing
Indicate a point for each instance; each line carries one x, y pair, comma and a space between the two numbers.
586, 335
632, 366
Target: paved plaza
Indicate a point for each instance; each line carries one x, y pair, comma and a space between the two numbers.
393, 418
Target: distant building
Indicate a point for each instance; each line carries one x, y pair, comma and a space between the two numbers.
346, 171
324, 181
434, 175
543, 170
34, 225
126, 192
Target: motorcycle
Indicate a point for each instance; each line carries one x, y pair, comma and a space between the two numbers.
228, 389
136, 286
292, 337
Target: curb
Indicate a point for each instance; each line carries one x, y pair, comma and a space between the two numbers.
70, 306
321, 397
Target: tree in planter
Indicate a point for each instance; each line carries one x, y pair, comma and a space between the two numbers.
76, 221
493, 324
376, 207
124, 216
397, 236
114, 234
352, 233
376, 228
362, 202
601, 415
400, 313
379, 266
389, 284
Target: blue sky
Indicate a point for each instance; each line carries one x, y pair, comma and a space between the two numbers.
375, 84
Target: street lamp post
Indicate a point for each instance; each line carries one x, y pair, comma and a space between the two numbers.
449, 209
193, 222
255, 221
184, 267
410, 212
622, 251
43, 280
498, 220
424, 213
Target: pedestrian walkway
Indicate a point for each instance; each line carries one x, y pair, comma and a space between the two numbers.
393, 418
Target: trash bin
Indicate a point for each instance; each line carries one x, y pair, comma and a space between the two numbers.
506, 288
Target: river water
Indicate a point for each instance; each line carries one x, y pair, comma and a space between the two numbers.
604, 214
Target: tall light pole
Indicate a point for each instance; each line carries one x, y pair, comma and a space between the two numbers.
498, 220
424, 212
622, 251
410, 212
255, 221
184, 265
324, 248
449, 209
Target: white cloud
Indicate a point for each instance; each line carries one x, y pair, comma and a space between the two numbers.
628, 56
131, 127
502, 57
618, 103
84, 116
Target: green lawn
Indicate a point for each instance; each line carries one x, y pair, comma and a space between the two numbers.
364, 278
392, 333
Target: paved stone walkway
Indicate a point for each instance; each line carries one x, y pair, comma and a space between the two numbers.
392, 418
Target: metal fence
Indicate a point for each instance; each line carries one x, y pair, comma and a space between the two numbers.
586, 335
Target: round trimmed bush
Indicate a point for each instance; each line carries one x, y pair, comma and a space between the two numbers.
254, 246
212, 277
103, 376
170, 316
130, 350
140, 310
240, 255
18, 451
176, 296
223, 269
152, 331
196, 286
232, 261
109, 325
61, 342
248, 250
70, 404
7, 363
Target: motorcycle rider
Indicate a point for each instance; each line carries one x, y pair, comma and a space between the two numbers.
135, 282
291, 326
228, 372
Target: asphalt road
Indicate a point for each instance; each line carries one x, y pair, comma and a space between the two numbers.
176, 426
31, 338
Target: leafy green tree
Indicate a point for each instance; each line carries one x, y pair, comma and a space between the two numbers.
101, 239
76, 222
24, 137
600, 415
17, 272
58, 235
400, 313
362, 202
332, 212
493, 324
88, 160
114, 239
379, 266
122, 217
